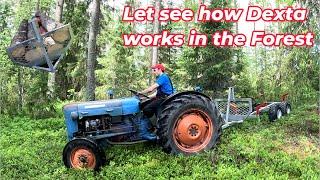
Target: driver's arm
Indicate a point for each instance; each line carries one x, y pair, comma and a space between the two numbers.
150, 89
153, 95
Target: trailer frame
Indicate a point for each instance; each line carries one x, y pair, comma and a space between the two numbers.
233, 114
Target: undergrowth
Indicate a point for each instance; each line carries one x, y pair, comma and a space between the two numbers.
286, 149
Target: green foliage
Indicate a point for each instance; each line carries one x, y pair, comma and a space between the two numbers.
20, 94
286, 149
211, 67
71, 72
271, 72
119, 67
5, 66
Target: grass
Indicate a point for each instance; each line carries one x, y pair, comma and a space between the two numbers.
286, 149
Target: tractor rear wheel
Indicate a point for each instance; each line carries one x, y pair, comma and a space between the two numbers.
189, 124
83, 154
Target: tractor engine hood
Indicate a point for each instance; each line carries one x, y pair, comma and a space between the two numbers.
117, 107
114, 107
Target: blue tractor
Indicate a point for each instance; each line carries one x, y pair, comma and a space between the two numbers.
186, 122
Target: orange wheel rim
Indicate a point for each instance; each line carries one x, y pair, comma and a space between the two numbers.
82, 158
192, 132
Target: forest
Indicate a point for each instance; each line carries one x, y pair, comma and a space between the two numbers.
32, 127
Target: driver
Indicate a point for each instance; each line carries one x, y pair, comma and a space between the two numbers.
162, 88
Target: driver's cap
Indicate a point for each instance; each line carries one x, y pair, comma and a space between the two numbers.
159, 66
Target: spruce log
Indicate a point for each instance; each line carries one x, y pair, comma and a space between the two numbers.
20, 36
33, 54
55, 51
61, 35
48, 41
18, 52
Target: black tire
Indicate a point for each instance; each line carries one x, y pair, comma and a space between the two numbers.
285, 108
274, 112
288, 109
83, 153
181, 125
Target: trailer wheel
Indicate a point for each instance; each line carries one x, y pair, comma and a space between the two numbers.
189, 124
285, 108
288, 108
275, 113
83, 154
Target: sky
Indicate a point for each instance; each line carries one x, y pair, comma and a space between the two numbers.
247, 27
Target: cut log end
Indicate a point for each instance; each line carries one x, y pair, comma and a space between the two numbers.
18, 52
33, 54
61, 35
55, 51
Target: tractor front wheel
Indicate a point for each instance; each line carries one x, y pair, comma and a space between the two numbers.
83, 154
189, 124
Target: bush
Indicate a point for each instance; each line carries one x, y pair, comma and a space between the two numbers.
285, 149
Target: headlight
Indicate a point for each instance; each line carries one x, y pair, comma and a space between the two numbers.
74, 116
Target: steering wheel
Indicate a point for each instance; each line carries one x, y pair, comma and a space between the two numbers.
138, 93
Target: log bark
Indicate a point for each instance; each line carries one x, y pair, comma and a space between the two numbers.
20, 36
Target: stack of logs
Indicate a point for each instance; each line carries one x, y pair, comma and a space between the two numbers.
54, 43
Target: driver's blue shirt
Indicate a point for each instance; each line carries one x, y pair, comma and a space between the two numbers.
165, 85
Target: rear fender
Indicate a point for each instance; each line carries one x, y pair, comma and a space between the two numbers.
173, 96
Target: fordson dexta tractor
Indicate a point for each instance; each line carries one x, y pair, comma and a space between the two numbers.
187, 123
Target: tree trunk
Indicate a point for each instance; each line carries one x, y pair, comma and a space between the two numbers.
155, 50
92, 50
20, 89
38, 5
1, 90
278, 55
52, 76
155, 31
236, 24
59, 10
